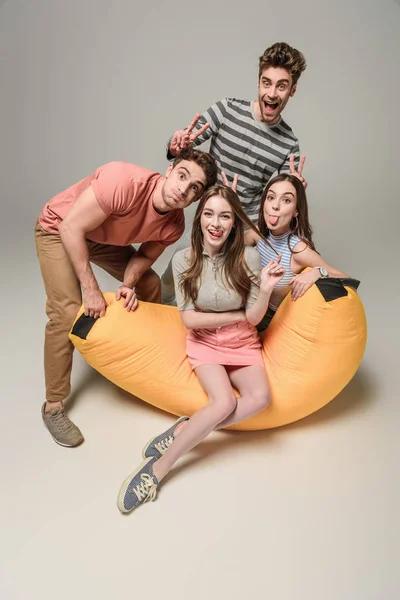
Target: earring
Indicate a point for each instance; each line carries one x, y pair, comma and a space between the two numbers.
297, 223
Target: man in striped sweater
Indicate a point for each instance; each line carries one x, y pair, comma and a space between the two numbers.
249, 138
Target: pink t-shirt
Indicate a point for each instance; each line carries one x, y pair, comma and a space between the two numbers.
124, 192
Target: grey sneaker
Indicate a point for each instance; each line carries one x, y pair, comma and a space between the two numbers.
159, 444
63, 430
138, 488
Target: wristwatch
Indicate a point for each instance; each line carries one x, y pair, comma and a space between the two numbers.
323, 272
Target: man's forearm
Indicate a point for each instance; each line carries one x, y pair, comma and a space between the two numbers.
136, 268
77, 250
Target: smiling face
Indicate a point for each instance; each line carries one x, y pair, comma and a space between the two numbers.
275, 87
216, 222
184, 184
280, 207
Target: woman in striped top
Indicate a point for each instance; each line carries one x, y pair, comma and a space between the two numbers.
286, 233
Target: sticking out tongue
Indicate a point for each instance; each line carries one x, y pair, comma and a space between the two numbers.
216, 234
273, 220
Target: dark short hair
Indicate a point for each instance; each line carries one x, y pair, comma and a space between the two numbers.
203, 159
284, 56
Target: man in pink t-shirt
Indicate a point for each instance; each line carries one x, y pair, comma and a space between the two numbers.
96, 220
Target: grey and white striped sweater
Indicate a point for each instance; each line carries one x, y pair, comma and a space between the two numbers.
241, 144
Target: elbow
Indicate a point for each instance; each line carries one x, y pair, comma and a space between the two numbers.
191, 319
187, 321
63, 228
254, 322
251, 319
70, 233
144, 256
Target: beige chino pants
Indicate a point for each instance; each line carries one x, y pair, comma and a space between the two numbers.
64, 298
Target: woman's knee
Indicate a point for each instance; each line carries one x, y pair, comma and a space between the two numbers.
223, 407
260, 399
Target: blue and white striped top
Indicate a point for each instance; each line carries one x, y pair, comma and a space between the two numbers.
280, 244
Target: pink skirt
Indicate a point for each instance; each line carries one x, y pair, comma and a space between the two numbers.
238, 345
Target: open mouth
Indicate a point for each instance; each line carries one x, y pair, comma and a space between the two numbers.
270, 107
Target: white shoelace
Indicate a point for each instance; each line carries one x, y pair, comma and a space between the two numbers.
164, 444
147, 490
61, 421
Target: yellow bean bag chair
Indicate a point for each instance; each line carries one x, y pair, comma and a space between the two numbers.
311, 350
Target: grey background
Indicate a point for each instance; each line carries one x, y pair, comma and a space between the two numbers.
308, 511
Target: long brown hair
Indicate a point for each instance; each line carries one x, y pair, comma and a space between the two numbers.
299, 225
236, 273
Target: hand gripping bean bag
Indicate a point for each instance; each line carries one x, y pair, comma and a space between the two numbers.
311, 350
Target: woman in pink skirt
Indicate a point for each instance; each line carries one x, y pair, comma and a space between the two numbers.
222, 295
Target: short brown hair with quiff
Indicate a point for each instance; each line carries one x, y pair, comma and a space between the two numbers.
203, 160
284, 56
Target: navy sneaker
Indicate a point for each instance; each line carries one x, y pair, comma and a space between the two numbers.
138, 488
159, 444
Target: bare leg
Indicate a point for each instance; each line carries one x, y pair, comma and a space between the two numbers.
252, 384
221, 404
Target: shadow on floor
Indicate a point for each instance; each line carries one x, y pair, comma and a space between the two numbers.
355, 399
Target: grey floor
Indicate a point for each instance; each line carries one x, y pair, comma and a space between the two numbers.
306, 511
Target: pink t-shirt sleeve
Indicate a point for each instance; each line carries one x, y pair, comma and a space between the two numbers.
114, 187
